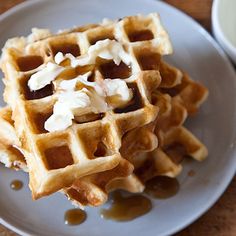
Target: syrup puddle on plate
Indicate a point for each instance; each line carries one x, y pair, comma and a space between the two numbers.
75, 217
16, 185
162, 187
126, 208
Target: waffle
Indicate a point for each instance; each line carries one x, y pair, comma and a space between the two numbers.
91, 190
10, 154
56, 159
175, 143
186, 92
115, 149
177, 97
165, 160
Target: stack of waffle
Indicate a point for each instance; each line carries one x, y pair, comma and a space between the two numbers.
126, 109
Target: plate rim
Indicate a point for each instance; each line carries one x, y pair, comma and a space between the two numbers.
227, 179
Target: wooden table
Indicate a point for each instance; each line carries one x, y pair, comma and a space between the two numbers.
220, 220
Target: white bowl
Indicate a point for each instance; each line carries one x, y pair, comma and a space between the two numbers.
224, 25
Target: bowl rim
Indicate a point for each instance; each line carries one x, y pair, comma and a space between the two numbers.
219, 33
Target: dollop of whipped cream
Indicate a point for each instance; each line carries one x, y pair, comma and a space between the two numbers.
78, 96
63, 109
106, 49
44, 76
93, 97
38, 34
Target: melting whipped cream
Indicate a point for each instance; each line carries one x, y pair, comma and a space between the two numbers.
118, 87
81, 79
63, 109
79, 96
91, 98
59, 57
38, 34
106, 49
104, 88
45, 76
5, 159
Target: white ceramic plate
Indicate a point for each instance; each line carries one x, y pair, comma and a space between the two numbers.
197, 53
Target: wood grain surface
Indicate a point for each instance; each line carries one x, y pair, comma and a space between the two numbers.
220, 220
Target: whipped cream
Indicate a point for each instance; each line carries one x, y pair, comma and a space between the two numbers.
81, 81
38, 34
93, 97
5, 159
63, 109
72, 103
59, 57
79, 96
45, 76
106, 49
117, 87
105, 88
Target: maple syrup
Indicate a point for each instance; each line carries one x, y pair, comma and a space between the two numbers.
75, 217
66, 48
101, 150
58, 157
135, 103
162, 187
16, 185
141, 35
127, 208
112, 71
28, 63
92, 41
39, 120
37, 94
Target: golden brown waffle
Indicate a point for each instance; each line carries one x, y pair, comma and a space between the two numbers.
176, 97
56, 159
91, 190
165, 160
175, 143
158, 162
187, 92
171, 76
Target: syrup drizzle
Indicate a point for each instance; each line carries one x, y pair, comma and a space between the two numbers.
162, 187
127, 208
75, 217
16, 185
